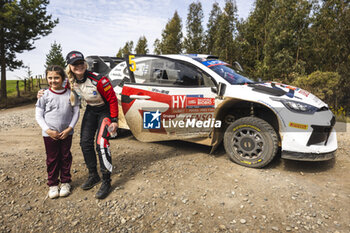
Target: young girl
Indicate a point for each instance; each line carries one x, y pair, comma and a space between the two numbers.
57, 118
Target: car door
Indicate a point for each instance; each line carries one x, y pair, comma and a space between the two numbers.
167, 100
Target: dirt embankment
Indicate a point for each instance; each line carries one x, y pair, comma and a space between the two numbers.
169, 187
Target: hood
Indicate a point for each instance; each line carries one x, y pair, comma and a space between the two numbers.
287, 92
269, 90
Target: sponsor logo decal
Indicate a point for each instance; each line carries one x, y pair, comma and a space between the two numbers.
160, 91
303, 92
107, 88
192, 101
246, 126
76, 55
214, 63
151, 120
298, 126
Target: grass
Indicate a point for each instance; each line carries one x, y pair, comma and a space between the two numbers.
25, 96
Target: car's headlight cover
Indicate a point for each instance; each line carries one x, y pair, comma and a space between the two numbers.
296, 106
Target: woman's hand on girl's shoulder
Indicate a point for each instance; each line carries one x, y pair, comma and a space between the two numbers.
40, 93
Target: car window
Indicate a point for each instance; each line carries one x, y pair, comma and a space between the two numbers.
160, 71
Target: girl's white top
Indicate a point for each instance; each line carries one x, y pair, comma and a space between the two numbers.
54, 111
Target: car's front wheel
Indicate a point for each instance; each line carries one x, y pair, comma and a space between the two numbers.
251, 142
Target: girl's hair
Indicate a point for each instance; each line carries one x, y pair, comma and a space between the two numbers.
71, 81
57, 69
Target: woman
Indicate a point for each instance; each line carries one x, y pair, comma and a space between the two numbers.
101, 115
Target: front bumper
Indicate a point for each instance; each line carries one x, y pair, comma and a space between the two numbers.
307, 156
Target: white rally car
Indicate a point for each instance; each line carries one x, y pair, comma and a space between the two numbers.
201, 99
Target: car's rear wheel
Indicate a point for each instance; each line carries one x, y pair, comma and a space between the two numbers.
251, 142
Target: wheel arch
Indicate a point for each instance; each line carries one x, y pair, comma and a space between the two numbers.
241, 108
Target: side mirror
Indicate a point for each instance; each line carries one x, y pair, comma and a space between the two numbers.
237, 66
219, 90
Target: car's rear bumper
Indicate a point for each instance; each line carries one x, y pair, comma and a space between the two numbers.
308, 156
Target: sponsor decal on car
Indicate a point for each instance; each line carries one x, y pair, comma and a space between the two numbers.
152, 120
192, 101
192, 123
303, 92
214, 63
160, 91
298, 126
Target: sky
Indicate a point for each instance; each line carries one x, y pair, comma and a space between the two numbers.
101, 27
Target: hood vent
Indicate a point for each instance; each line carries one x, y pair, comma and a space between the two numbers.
267, 90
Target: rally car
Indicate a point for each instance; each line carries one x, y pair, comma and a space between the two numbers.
201, 99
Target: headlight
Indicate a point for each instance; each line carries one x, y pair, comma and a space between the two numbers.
298, 107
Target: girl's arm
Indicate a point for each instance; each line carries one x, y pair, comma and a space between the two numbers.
39, 116
64, 134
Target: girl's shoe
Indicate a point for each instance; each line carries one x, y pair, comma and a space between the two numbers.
53, 192
65, 189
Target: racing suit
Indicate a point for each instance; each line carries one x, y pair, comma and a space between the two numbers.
101, 110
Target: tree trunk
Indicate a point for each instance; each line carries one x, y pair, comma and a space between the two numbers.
25, 85
17, 88
3, 73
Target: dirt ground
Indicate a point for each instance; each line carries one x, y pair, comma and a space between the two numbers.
169, 187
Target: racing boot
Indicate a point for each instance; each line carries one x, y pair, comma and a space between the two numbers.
105, 188
92, 180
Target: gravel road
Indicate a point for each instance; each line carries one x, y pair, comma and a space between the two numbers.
169, 187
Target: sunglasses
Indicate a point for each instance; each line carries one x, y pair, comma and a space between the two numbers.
78, 63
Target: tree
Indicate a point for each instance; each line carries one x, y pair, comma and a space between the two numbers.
224, 41
193, 42
171, 36
128, 48
120, 53
274, 42
141, 46
212, 28
287, 27
252, 37
331, 44
157, 50
21, 23
55, 57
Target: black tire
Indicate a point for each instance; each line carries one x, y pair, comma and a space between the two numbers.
251, 142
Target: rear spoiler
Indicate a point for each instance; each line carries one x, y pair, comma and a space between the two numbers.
102, 64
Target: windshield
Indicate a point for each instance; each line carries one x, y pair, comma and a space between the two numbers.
223, 69
229, 74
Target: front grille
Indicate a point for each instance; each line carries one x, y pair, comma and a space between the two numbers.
320, 133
